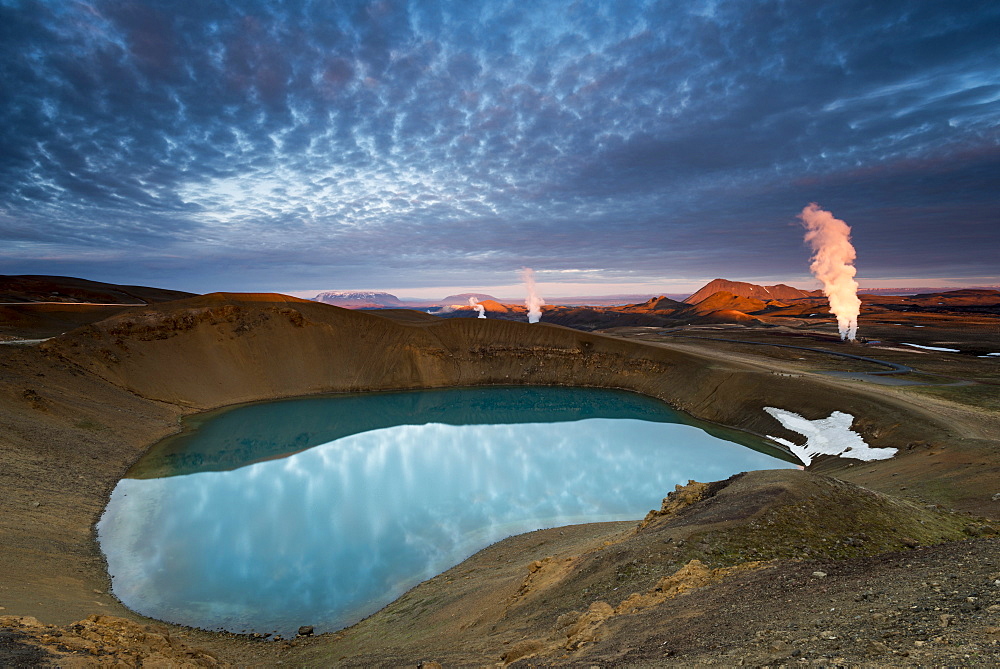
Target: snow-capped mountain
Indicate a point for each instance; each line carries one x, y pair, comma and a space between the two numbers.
353, 299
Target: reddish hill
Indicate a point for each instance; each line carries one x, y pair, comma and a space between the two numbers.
494, 307
724, 301
777, 292
493, 310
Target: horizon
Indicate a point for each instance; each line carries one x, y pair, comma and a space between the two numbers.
515, 292
426, 145
550, 291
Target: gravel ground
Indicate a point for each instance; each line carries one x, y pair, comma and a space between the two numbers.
931, 606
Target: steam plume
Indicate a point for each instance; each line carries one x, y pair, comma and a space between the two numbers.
474, 303
832, 263
534, 302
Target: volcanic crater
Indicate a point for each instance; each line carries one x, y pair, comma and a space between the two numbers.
81, 407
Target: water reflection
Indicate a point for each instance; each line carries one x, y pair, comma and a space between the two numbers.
330, 534
239, 436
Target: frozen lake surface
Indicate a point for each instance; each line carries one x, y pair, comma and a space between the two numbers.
320, 511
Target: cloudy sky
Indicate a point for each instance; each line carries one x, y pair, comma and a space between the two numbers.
429, 146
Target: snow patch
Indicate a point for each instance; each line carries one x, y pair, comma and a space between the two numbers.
932, 348
990, 355
826, 436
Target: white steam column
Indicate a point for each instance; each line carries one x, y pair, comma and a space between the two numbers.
534, 302
833, 264
474, 303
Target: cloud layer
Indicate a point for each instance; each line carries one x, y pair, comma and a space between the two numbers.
250, 144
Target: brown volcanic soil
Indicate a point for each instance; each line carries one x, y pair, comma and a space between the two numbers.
722, 300
79, 409
711, 577
38, 288
33, 320
38, 307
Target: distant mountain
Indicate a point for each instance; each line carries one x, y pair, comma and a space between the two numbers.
659, 303
358, 299
463, 298
750, 290
963, 297
921, 290
70, 290
966, 299
604, 300
578, 301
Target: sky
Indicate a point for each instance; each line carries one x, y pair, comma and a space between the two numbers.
431, 147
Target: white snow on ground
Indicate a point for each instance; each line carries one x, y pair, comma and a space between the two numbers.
826, 436
990, 355
932, 348
23, 342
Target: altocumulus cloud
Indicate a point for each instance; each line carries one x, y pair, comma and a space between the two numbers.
249, 144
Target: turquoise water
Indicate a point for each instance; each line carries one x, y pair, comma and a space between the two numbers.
320, 511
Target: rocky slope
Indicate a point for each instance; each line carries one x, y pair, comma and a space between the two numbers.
219, 349
36, 307
38, 288
80, 408
550, 597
